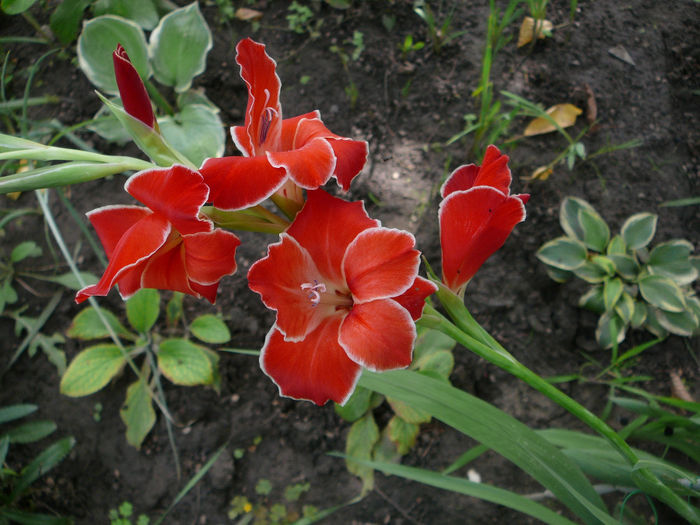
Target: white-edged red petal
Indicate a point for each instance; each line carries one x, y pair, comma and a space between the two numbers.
290, 126
236, 183
379, 335
494, 172
325, 227
176, 193
473, 225
316, 369
309, 166
380, 263
278, 279
211, 255
414, 298
351, 156
112, 222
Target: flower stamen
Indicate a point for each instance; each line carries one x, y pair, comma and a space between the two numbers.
315, 291
265, 121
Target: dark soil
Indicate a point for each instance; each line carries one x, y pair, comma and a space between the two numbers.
407, 109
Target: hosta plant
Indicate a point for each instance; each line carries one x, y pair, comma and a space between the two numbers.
633, 284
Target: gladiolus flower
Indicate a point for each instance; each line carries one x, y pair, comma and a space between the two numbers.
131, 88
476, 216
299, 149
346, 293
167, 245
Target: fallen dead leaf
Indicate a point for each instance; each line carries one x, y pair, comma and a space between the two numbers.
591, 106
246, 14
621, 53
563, 114
678, 389
527, 30
541, 173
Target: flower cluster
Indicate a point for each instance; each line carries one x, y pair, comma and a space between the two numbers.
346, 291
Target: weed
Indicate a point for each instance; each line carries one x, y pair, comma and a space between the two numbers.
440, 34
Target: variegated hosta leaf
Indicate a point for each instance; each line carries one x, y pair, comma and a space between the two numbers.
616, 246
638, 230
593, 300
625, 307
596, 233
652, 323
639, 316
683, 323
610, 328
569, 216
612, 291
662, 292
625, 265
565, 253
558, 275
672, 259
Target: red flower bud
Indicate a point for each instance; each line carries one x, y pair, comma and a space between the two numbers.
131, 89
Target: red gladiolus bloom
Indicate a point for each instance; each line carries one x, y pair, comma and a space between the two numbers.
476, 216
167, 245
346, 293
300, 149
131, 89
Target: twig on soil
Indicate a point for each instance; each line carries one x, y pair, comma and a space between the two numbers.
396, 506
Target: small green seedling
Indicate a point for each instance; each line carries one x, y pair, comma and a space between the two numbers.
122, 516
633, 285
409, 46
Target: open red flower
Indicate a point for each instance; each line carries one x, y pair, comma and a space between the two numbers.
346, 293
300, 149
476, 216
167, 245
131, 88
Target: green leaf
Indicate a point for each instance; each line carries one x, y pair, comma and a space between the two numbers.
557, 275
98, 41
596, 233
611, 328
355, 407
564, 253
214, 361
616, 246
137, 413
184, 363
31, 432
408, 412
294, 492
403, 434
612, 291
88, 325
625, 265
4, 447
362, 437
593, 300
639, 315
23, 250
142, 309
91, 370
40, 465
672, 259
69, 280
591, 272
173, 310
625, 307
210, 329
143, 12
12, 412
498, 431
178, 47
15, 7
652, 324
197, 132
683, 323
441, 362
638, 230
65, 20
108, 126
662, 292
570, 218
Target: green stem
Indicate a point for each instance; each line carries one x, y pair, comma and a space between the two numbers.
158, 98
256, 219
466, 331
32, 101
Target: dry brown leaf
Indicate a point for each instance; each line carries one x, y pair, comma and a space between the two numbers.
678, 389
245, 14
527, 30
541, 173
591, 106
563, 114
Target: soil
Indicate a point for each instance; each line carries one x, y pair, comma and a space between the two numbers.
407, 108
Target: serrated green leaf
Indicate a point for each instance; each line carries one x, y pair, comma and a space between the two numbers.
88, 325
40, 465
143, 12
593, 300
184, 363
683, 323
403, 434
565, 253
91, 370
210, 329
65, 20
638, 230
23, 250
197, 132
98, 41
610, 328
13, 412
15, 7
569, 216
362, 437
408, 412
31, 431
596, 233
355, 407
591, 272
441, 362
137, 413
662, 292
672, 259
625, 265
142, 309
612, 291
178, 47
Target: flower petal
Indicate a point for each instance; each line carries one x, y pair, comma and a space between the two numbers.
310, 166
414, 298
112, 222
325, 227
379, 335
176, 193
138, 243
380, 263
258, 72
316, 368
131, 89
210, 255
494, 172
289, 129
473, 225
240, 182
278, 278
165, 269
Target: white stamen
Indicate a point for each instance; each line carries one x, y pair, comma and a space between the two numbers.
315, 291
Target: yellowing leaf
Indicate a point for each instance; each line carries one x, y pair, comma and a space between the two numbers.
246, 14
541, 173
563, 114
527, 30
